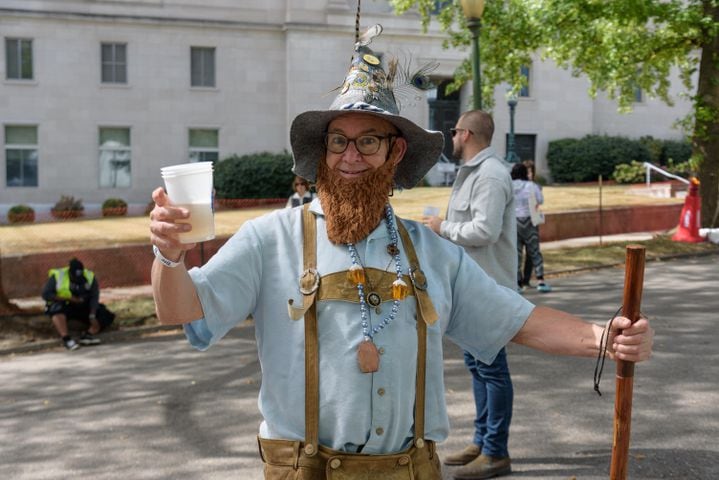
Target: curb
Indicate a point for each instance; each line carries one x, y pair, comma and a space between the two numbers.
108, 337
673, 256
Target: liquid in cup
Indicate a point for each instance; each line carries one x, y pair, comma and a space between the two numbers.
189, 186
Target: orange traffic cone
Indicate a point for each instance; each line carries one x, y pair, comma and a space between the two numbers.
690, 218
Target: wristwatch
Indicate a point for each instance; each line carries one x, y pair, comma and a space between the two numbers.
166, 261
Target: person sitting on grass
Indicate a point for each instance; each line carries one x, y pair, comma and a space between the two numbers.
73, 292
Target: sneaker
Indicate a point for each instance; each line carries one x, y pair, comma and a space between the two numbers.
463, 457
484, 466
71, 344
543, 288
87, 339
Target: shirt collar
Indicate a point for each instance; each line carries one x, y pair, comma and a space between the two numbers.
481, 156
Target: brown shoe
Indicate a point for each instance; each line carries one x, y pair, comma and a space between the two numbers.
464, 457
484, 466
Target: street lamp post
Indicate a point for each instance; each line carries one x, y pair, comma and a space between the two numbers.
473, 10
512, 156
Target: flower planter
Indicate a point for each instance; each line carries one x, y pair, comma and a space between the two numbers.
66, 214
114, 211
25, 217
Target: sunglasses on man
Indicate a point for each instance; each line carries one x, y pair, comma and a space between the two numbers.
454, 131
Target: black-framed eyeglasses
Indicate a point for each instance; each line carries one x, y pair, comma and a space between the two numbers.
454, 131
365, 144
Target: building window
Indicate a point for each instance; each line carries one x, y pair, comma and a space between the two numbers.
204, 145
202, 67
638, 94
20, 156
114, 62
115, 158
18, 58
525, 71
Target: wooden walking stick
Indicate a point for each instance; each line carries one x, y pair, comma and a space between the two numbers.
633, 284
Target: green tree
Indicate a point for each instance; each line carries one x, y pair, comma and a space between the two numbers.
618, 45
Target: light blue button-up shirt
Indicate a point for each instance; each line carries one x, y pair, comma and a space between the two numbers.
257, 271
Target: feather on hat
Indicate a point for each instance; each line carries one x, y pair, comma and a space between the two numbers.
369, 90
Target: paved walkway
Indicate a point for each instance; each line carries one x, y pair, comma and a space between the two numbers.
153, 408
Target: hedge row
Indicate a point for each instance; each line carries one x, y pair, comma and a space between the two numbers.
584, 159
258, 175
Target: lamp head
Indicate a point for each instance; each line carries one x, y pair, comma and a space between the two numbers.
472, 8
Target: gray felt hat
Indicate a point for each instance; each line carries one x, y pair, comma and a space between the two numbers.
369, 90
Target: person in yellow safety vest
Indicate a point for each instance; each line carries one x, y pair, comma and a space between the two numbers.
73, 292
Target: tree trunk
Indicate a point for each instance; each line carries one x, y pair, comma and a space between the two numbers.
706, 131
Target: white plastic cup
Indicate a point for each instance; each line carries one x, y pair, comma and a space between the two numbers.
189, 185
430, 211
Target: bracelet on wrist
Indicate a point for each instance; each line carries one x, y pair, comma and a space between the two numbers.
166, 261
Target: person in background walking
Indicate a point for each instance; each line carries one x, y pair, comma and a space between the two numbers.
302, 193
528, 267
480, 218
73, 292
527, 232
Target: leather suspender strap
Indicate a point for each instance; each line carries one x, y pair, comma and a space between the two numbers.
312, 359
309, 285
421, 336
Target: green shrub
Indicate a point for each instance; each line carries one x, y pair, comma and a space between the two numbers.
583, 160
259, 175
67, 207
655, 147
683, 169
21, 214
69, 204
675, 151
114, 207
633, 172
114, 203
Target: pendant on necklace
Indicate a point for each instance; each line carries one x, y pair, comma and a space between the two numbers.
392, 249
368, 357
375, 300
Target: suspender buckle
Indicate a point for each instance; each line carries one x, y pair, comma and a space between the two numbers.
419, 280
309, 281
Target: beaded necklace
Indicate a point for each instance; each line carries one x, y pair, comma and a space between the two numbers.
367, 353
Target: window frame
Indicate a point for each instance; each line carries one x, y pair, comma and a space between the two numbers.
202, 150
114, 64
20, 41
203, 81
24, 147
101, 150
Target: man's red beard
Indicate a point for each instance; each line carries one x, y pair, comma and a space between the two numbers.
353, 208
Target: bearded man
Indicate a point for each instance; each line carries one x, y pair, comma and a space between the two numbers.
350, 303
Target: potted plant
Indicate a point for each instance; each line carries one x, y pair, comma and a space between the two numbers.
21, 214
67, 207
114, 207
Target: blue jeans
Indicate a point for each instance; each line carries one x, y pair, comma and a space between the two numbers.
493, 395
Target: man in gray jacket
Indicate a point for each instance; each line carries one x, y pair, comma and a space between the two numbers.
480, 217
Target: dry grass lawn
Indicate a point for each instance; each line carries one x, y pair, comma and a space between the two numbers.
107, 232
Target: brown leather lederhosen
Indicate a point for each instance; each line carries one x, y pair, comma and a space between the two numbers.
308, 460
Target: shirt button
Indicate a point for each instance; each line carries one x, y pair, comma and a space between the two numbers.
379, 431
380, 392
381, 350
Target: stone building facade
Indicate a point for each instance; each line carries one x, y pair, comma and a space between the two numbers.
96, 96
